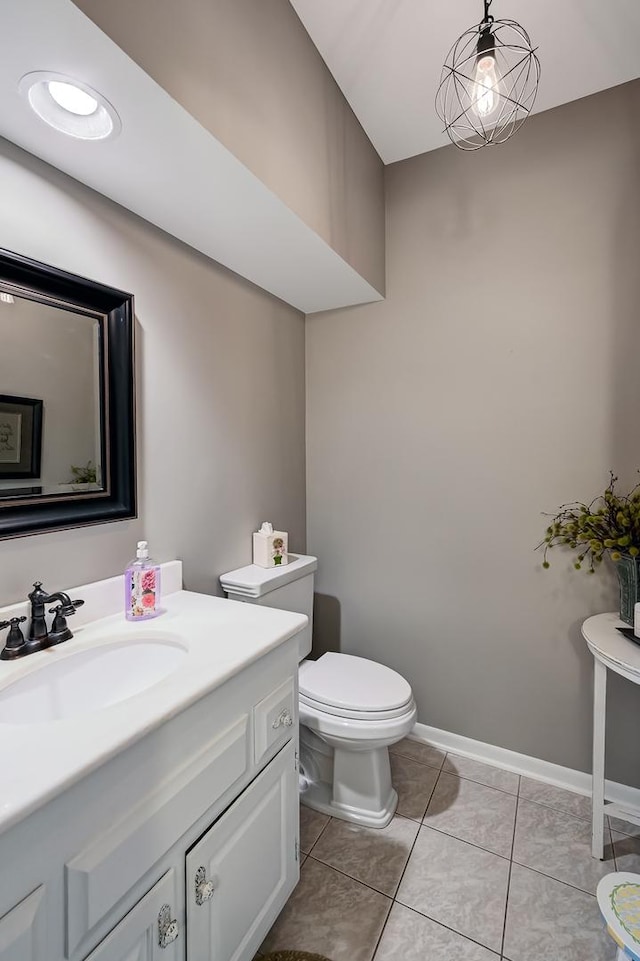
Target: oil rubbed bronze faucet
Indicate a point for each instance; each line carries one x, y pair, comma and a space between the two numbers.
39, 636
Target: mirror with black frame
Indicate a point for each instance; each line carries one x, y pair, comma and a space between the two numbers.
67, 418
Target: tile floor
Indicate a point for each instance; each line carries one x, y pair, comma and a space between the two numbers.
477, 865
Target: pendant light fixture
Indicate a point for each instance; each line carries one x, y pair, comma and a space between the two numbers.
488, 84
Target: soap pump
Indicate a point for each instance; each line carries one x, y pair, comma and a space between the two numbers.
142, 586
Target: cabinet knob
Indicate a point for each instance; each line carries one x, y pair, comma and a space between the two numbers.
167, 927
204, 889
284, 720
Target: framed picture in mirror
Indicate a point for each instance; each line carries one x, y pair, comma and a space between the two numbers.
20, 437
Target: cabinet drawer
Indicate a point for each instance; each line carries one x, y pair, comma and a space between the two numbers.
273, 718
22, 930
150, 931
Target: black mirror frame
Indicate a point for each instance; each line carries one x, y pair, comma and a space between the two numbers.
119, 502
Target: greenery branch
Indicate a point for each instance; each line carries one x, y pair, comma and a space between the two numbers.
610, 524
84, 475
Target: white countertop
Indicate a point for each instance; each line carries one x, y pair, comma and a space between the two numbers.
38, 761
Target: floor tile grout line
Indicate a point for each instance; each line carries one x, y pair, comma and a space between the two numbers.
623, 833
324, 828
359, 880
472, 844
397, 887
415, 840
388, 915
478, 847
465, 937
552, 878
513, 844
440, 831
552, 807
344, 874
465, 777
410, 757
515, 820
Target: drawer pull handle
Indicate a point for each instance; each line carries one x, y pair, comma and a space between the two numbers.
285, 720
204, 889
167, 927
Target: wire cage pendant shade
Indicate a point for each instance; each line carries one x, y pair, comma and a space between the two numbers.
488, 84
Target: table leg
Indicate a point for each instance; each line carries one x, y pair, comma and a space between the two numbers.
599, 721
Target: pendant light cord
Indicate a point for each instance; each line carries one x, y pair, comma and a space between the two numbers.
487, 20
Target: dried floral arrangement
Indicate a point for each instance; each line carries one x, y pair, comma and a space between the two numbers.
610, 524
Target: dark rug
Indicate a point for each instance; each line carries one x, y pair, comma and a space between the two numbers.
293, 956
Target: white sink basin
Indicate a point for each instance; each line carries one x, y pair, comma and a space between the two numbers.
89, 680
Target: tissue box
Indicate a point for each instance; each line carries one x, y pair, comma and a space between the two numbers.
270, 550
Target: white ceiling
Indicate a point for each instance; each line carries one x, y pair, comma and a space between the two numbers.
164, 165
386, 55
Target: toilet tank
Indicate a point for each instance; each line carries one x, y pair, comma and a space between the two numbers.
289, 588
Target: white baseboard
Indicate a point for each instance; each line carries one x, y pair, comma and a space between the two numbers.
563, 777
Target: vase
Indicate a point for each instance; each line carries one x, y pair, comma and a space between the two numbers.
628, 569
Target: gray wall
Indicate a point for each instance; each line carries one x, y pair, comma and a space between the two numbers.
248, 72
220, 391
499, 379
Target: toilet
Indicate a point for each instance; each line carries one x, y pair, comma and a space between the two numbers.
351, 709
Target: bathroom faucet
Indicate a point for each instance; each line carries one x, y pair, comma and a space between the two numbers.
39, 636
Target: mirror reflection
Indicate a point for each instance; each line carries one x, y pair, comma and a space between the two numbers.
51, 436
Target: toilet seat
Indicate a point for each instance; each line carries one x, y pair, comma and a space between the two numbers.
355, 715
361, 732
353, 687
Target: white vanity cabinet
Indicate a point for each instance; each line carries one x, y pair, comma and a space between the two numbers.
183, 847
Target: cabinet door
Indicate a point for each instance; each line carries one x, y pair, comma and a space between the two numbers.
150, 931
241, 872
22, 930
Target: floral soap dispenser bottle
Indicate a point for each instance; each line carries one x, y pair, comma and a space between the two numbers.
142, 586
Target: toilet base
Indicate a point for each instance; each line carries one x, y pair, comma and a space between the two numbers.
319, 797
347, 783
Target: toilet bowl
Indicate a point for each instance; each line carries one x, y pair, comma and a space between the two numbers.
355, 709
351, 709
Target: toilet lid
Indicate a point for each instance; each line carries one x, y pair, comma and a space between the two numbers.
353, 683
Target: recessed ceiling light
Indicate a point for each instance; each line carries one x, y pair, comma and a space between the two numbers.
72, 98
70, 106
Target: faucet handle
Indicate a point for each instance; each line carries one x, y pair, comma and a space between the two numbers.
59, 629
66, 609
15, 639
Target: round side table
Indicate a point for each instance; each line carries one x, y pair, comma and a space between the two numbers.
611, 652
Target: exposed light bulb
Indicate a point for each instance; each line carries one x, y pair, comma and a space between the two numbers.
485, 91
72, 98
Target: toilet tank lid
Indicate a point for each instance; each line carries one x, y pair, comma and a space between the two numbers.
254, 581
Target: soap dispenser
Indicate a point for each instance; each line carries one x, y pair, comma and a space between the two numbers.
142, 586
